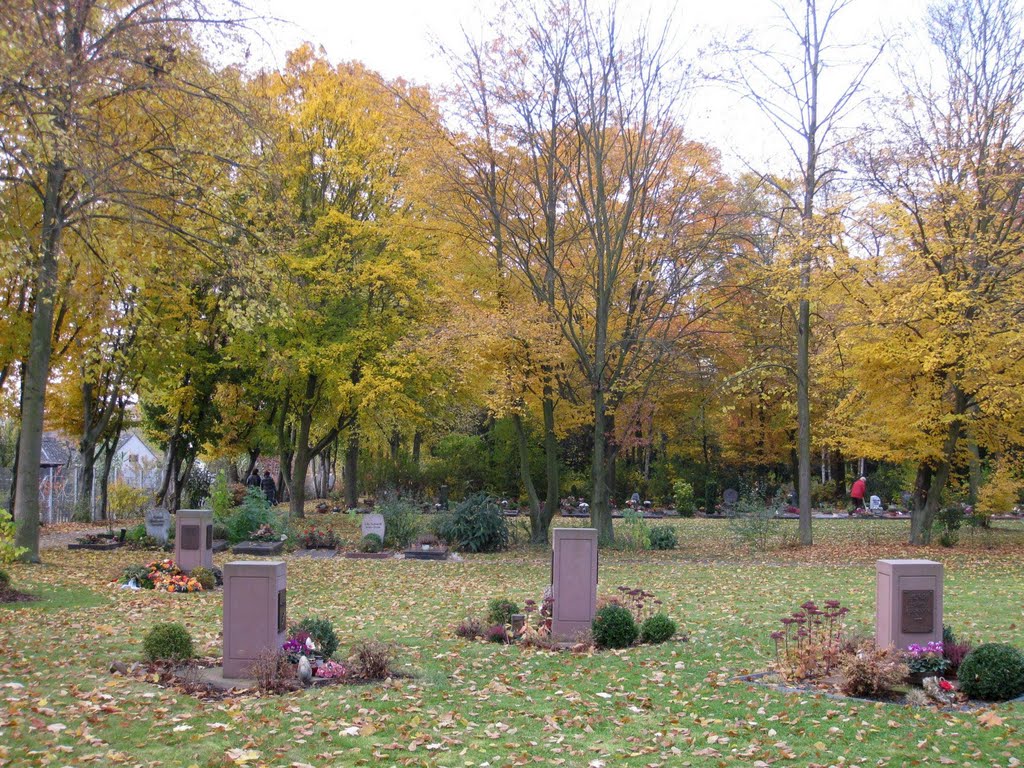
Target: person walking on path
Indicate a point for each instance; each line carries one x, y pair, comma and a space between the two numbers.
269, 488
253, 480
857, 493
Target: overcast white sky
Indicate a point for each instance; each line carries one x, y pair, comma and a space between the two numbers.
398, 39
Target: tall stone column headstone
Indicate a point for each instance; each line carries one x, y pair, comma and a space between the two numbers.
908, 602
573, 581
193, 539
255, 612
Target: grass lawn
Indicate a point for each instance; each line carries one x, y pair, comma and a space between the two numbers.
476, 704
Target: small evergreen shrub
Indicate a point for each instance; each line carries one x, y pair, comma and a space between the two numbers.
615, 627
657, 629
401, 523
371, 542
477, 524
992, 672
204, 576
255, 512
322, 632
5, 580
663, 537
500, 610
682, 492
168, 642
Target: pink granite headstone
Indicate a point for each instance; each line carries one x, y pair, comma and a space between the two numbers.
255, 612
193, 538
908, 602
573, 581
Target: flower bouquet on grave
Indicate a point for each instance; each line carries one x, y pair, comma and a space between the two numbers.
167, 577
302, 644
264, 533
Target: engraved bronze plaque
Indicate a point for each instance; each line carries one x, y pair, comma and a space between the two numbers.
917, 611
209, 537
282, 610
190, 537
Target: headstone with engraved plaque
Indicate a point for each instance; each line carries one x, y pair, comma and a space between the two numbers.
158, 521
573, 582
255, 612
908, 602
193, 539
373, 523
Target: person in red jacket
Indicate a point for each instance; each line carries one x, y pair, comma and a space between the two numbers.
857, 493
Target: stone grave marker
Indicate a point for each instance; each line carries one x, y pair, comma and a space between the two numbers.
373, 523
158, 521
193, 539
573, 581
730, 496
255, 612
875, 504
908, 602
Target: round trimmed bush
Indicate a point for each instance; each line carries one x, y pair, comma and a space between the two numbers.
657, 629
170, 642
371, 542
204, 576
615, 627
992, 672
663, 537
500, 610
322, 632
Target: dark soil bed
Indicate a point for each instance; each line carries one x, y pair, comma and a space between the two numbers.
14, 596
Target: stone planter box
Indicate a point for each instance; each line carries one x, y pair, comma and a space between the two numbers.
368, 555
99, 546
264, 548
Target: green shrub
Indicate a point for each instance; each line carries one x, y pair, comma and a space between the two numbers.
124, 500
992, 672
500, 610
657, 629
204, 576
682, 493
752, 523
477, 524
220, 531
634, 534
615, 627
401, 523
254, 512
663, 537
371, 542
168, 642
136, 533
221, 497
5, 580
322, 632
8, 552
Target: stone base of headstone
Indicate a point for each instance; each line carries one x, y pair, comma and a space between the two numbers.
369, 555
259, 548
426, 554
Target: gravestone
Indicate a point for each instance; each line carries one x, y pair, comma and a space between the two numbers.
573, 581
255, 613
158, 521
908, 602
730, 496
193, 539
875, 504
373, 523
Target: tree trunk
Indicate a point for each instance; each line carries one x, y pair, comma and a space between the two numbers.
417, 445
839, 474
351, 468
37, 369
300, 466
108, 462
803, 406
538, 523
921, 519
600, 511
551, 499
394, 444
974, 472
84, 508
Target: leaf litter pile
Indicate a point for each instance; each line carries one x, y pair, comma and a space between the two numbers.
459, 703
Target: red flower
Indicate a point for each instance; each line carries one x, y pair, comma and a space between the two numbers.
945, 685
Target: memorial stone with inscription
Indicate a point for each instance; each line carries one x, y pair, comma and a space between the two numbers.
573, 582
158, 522
373, 523
908, 602
255, 612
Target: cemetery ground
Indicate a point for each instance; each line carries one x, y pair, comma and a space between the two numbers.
482, 704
